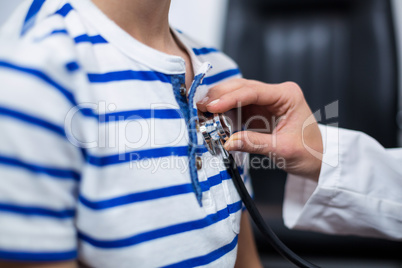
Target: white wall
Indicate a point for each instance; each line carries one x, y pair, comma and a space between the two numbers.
203, 20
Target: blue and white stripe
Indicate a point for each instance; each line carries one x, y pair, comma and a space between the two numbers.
126, 194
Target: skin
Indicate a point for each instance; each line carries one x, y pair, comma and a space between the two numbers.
288, 139
147, 21
247, 255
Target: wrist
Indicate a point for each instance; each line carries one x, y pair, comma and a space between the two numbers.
314, 149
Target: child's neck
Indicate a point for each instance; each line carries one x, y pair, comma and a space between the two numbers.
148, 22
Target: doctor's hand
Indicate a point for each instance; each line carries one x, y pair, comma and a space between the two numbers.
292, 132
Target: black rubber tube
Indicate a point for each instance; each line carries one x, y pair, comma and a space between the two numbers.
276, 243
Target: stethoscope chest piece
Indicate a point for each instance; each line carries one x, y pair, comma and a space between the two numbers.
216, 130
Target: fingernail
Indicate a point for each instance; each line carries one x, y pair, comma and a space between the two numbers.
212, 103
233, 145
204, 100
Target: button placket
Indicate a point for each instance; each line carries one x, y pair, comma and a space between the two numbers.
187, 107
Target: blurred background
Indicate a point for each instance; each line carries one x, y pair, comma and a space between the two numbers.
347, 51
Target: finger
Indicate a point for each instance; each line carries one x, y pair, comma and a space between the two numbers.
277, 98
219, 90
250, 142
238, 98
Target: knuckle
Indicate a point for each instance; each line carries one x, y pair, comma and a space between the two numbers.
253, 85
293, 88
243, 84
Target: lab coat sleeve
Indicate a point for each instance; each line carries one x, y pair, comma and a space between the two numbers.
359, 191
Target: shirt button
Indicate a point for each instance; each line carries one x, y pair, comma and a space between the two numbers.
199, 163
183, 90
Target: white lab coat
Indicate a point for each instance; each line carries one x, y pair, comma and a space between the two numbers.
359, 191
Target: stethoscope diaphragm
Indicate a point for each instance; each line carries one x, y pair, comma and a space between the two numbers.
216, 130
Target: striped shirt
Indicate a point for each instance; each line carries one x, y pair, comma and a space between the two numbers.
99, 148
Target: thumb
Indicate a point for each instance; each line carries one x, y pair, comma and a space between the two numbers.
250, 142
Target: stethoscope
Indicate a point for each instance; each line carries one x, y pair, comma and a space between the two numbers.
216, 130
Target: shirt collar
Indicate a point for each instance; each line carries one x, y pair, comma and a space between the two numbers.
152, 58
